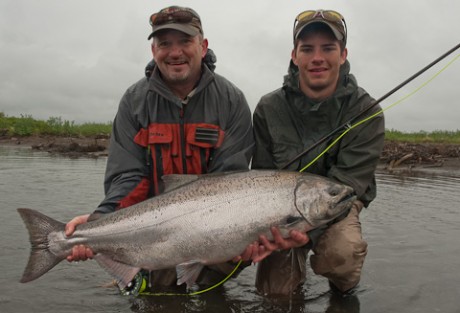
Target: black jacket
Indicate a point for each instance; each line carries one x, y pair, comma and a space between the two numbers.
286, 122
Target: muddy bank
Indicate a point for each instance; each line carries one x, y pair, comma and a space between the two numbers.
396, 156
73, 147
406, 157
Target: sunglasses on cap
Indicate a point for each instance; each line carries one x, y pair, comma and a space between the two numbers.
174, 15
333, 17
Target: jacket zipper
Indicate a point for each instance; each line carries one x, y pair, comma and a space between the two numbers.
182, 139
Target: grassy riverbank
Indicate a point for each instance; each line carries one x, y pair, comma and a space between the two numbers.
25, 126
447, 137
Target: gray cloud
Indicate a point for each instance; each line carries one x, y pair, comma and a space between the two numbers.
75, 59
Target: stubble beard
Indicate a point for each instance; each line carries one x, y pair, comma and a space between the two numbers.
178, 77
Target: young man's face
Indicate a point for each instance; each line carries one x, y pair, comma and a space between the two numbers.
318, 57
178, 56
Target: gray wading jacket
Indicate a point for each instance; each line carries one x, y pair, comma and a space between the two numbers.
155, 133
286, 123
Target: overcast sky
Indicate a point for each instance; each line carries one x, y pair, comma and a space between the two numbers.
75, 58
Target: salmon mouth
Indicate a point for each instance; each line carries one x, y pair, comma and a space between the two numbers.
347, 198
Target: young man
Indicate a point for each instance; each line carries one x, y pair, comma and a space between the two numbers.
181, 119
318, 95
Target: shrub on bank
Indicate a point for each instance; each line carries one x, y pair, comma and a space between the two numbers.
438, 136
26, 125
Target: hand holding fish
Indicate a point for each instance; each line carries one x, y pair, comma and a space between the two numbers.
79, 252
259, 250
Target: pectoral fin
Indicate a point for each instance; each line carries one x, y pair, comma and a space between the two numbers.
188, 272
122, 273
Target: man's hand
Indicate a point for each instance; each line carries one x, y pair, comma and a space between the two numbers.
79, 252
259, 250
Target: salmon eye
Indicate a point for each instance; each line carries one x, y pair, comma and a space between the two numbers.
334, 191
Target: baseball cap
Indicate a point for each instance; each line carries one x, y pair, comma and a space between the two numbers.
179, 18
333, 19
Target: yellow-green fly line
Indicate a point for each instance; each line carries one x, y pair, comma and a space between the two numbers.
144, 293
350, 127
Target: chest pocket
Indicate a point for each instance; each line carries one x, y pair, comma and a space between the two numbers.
201, 141
163, 140
162, 145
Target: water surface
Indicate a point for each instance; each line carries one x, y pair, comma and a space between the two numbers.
413, 231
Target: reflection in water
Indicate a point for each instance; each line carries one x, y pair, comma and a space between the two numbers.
218, 301
340, 304
240, 296
213, 301
412, 229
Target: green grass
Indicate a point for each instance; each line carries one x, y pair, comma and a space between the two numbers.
439, 136
26, 125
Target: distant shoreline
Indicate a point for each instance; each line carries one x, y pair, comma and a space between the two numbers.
397, 157
74, 147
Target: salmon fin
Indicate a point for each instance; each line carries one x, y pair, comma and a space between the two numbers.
188, 272
291, 223
41, 259
122, 273
175, 181
293, 220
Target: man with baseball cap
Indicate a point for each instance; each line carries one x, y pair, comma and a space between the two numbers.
182, 118
318, 95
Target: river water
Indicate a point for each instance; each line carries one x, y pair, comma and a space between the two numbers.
413, 231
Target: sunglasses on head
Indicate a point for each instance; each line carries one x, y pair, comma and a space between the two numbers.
173, 15
326, 15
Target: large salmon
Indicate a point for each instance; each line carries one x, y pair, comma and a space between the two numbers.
199, 220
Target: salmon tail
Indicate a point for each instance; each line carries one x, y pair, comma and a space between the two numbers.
41, 259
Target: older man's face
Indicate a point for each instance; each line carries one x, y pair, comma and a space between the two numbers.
179, 56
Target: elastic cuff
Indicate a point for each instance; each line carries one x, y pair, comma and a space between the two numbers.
358, 205
104, 210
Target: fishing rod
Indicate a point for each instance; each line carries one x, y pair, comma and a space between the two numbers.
348, 124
